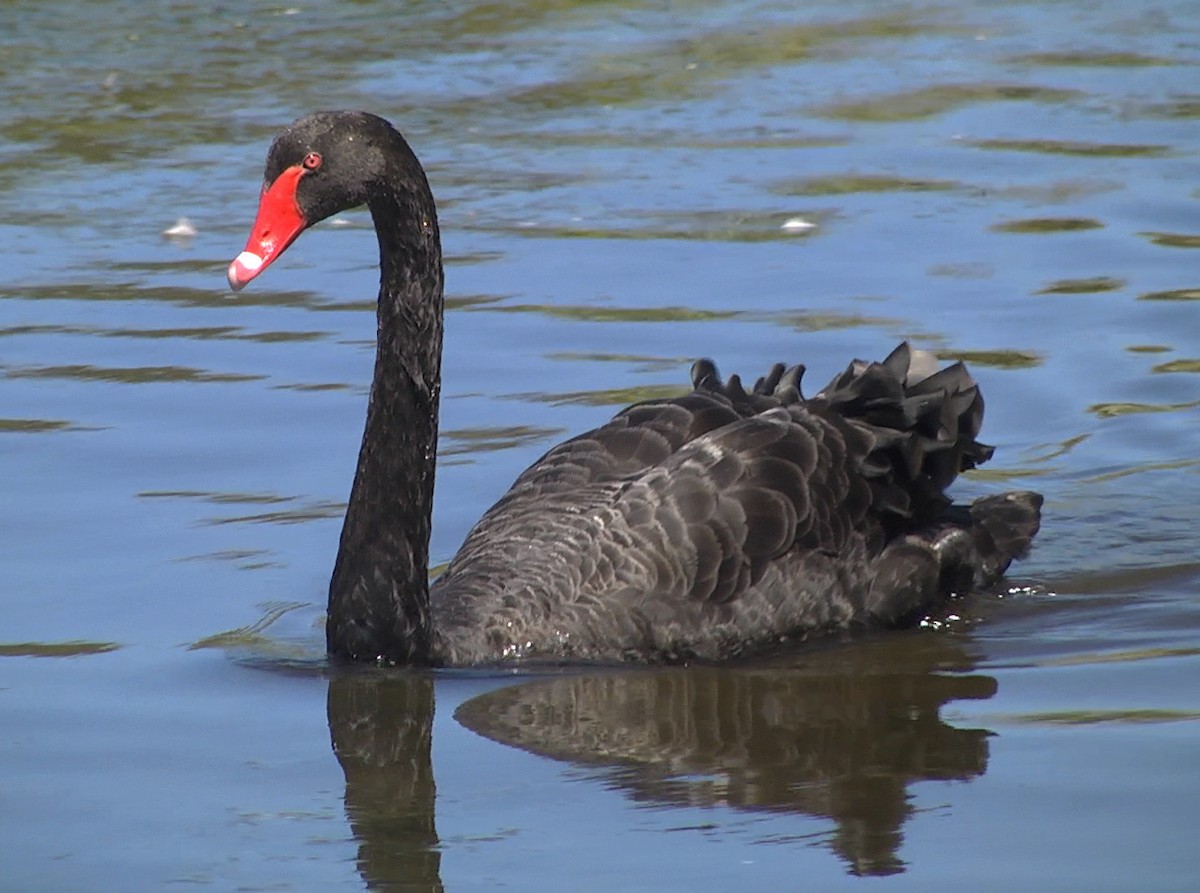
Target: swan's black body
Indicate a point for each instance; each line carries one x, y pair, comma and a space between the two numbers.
706, 526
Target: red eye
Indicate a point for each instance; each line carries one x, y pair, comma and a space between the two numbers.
312, 161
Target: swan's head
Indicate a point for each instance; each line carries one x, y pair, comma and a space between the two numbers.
321, 164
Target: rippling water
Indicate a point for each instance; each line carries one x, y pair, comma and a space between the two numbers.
624, 186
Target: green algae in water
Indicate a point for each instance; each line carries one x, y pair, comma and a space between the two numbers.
926, 102
1093, 59
1073, 147
1173, 240
251, 636
999, 359
1041, 225
130, 375
1178, 294
610, 396
33, 426
852, 184
1178, 366
1112, 410
489, 439
71, 648
617, 314
1094, 717
1094, 285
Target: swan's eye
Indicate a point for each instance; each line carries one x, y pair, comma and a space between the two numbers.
312, 161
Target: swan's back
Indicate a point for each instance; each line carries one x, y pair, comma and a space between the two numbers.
727, 521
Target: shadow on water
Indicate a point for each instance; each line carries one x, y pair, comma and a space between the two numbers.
837, 733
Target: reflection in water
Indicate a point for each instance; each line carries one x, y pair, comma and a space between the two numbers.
840, 735
380, 727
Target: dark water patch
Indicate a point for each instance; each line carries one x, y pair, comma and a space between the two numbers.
1041, 461
1139, 580
218, 498
344, 307
164, 267
170, 77
1144, 467
259, 565
312, 511
184, 296
1047, 225
1095, 717
491, 181
318, 386
1074, 148
468, 302
1112, 410
1188, 365
198, 333
1183, 108
73, 648
690, 67
277, 337
606, 397
964, 270
1092, 59
830, 320
701, 225
129, 375
1123, 656
1007, 475
201, 333
851, 184
227, 333
1054, 451
601, 313
488, 439
470, 258
638, 362
1177, 294
996, 359
1057, 192
228, 555
1089, 286
937, 99
252, 636
44, 329
308, 511
490, 20
100, 133
1173, 240
34, 426
657, 138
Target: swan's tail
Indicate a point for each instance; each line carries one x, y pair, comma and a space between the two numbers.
921, 421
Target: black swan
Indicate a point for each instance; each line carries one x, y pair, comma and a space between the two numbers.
720, 523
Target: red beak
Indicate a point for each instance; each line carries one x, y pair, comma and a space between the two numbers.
278, 223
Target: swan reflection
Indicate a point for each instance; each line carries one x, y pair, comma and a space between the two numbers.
838, 733
380, 725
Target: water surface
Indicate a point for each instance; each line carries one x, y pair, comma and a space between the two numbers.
623, 186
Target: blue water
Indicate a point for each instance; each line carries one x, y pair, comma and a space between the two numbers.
1015, 184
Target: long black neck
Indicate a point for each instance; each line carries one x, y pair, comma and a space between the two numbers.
379, 593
